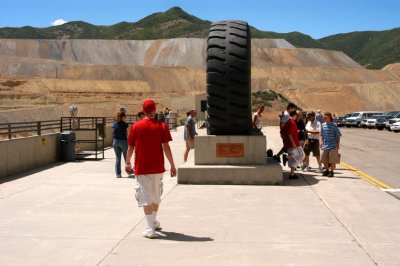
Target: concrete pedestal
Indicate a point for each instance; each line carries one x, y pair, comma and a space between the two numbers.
236, 160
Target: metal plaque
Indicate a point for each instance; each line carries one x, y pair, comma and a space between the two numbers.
230, 150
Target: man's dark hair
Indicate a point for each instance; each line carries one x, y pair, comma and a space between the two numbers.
292, 113
291, 105
140, 113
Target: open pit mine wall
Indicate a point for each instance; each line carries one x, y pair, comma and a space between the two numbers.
20, 57
110, 72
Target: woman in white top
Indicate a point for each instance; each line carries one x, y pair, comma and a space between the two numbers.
257, 123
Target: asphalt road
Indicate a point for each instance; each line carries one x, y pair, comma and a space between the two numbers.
373, 152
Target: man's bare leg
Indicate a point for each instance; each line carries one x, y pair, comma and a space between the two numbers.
186, 154
307, 160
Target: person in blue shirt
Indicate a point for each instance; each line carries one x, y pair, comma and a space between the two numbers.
120, 140
189, 132
329, 142
319, 117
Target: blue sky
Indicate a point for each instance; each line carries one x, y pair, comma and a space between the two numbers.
317, 18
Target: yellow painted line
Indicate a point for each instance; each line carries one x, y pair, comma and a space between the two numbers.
372, 180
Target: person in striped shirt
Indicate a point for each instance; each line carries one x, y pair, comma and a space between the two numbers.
329, 142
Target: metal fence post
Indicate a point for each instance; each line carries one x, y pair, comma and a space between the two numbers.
39, 128
9, 131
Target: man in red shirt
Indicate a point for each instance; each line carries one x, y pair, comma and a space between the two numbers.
149, 139
291, 142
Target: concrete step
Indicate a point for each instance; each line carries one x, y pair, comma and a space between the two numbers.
264, 174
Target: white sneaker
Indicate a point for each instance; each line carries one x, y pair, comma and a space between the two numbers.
149, 233
157, 225
119, 176
306, 168
319, 170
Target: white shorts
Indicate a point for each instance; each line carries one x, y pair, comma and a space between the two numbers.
297, 155
149, 189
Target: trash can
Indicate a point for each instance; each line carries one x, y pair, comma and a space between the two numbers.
68, 144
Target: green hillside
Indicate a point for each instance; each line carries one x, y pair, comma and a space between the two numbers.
174, 23
373, 49
298, 39
170, 24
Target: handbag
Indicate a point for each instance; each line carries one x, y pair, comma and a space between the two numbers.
338, 158
298, 154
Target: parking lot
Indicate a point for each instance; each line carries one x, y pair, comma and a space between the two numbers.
374, 152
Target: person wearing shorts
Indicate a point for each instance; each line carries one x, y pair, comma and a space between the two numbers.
329, 142
283, 119
313, 129
189, 132
291, 141
149, 139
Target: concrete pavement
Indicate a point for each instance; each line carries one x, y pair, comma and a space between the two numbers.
374, 152
80, 214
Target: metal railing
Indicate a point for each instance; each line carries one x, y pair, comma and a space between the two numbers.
25, 129
95, 125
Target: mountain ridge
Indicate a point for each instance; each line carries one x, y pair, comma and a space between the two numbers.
372, 49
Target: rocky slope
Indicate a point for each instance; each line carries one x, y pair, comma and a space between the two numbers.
101, 75
393, 68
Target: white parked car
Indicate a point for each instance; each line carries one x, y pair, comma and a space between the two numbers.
363, 123
390, 122
395, 127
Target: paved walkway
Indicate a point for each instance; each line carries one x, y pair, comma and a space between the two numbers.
80, 214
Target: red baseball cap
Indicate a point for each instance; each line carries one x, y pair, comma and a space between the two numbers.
149, 106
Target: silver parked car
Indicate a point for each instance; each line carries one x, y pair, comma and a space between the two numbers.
356, 118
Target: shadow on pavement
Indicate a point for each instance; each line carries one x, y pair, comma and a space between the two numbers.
309, 178
303, 181
181, 237
30, 172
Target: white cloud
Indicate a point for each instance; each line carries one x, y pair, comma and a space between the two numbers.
58, 22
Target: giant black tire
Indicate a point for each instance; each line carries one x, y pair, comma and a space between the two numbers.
229, 79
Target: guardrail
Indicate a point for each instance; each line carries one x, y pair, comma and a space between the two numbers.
25, 129
9, 130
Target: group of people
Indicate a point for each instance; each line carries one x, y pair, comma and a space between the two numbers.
149, 139
164, 116
302, 134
